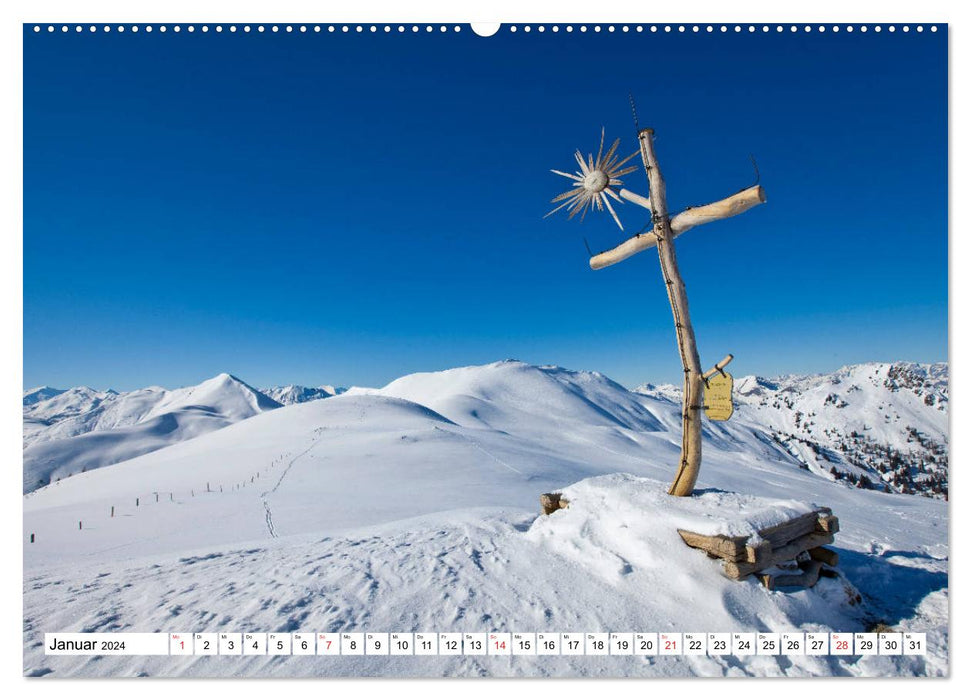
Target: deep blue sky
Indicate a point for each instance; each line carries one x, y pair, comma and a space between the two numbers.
329, 208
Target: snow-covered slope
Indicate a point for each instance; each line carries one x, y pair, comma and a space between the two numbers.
413, 508
518, 397
70, 407
874, 425
81, 429
660, 391
294, 393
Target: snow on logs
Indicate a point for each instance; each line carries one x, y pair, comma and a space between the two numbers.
800, 539
686, 220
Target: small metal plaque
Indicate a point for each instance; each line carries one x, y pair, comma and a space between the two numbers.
718, 397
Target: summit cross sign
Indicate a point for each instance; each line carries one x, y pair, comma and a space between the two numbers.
593, 188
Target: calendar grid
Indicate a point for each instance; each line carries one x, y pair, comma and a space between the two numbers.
487, 644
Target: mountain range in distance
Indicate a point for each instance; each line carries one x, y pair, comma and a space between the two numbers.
881, 425
873, 425
72, 431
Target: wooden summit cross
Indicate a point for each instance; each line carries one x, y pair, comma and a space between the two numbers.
591, 189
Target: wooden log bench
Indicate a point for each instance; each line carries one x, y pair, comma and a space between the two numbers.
805, 576
552, 502
800, 538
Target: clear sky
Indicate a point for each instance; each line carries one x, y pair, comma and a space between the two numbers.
346, 209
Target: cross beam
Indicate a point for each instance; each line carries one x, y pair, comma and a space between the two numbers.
686, 220
662, 235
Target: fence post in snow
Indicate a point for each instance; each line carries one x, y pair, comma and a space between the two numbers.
136, 502
112, 511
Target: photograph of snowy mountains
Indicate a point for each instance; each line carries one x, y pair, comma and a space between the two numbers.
273, 277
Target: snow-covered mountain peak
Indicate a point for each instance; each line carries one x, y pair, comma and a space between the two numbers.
502, 394
236, 398
752, 385
877, 425
82, 428
917, 378
64, 404
295, 393
40, 393
881, 425
666, 392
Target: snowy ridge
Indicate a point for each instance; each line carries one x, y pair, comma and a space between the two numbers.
70, 407
660, 391
40, 393
294, 393
414, 508
81, 429
514, 395
875, 425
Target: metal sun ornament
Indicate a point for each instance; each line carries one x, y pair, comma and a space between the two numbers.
592, 183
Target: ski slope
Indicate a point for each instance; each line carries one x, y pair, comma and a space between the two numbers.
414, 508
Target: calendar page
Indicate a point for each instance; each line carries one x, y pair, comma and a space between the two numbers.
547, 349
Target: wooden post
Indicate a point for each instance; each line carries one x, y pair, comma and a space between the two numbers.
136, 502
79, 525
156, 496
32, 538
112, 511
692, 398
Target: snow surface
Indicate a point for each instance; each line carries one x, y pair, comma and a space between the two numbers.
414, 508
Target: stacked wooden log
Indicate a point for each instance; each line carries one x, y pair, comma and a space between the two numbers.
798, 543
552, 502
